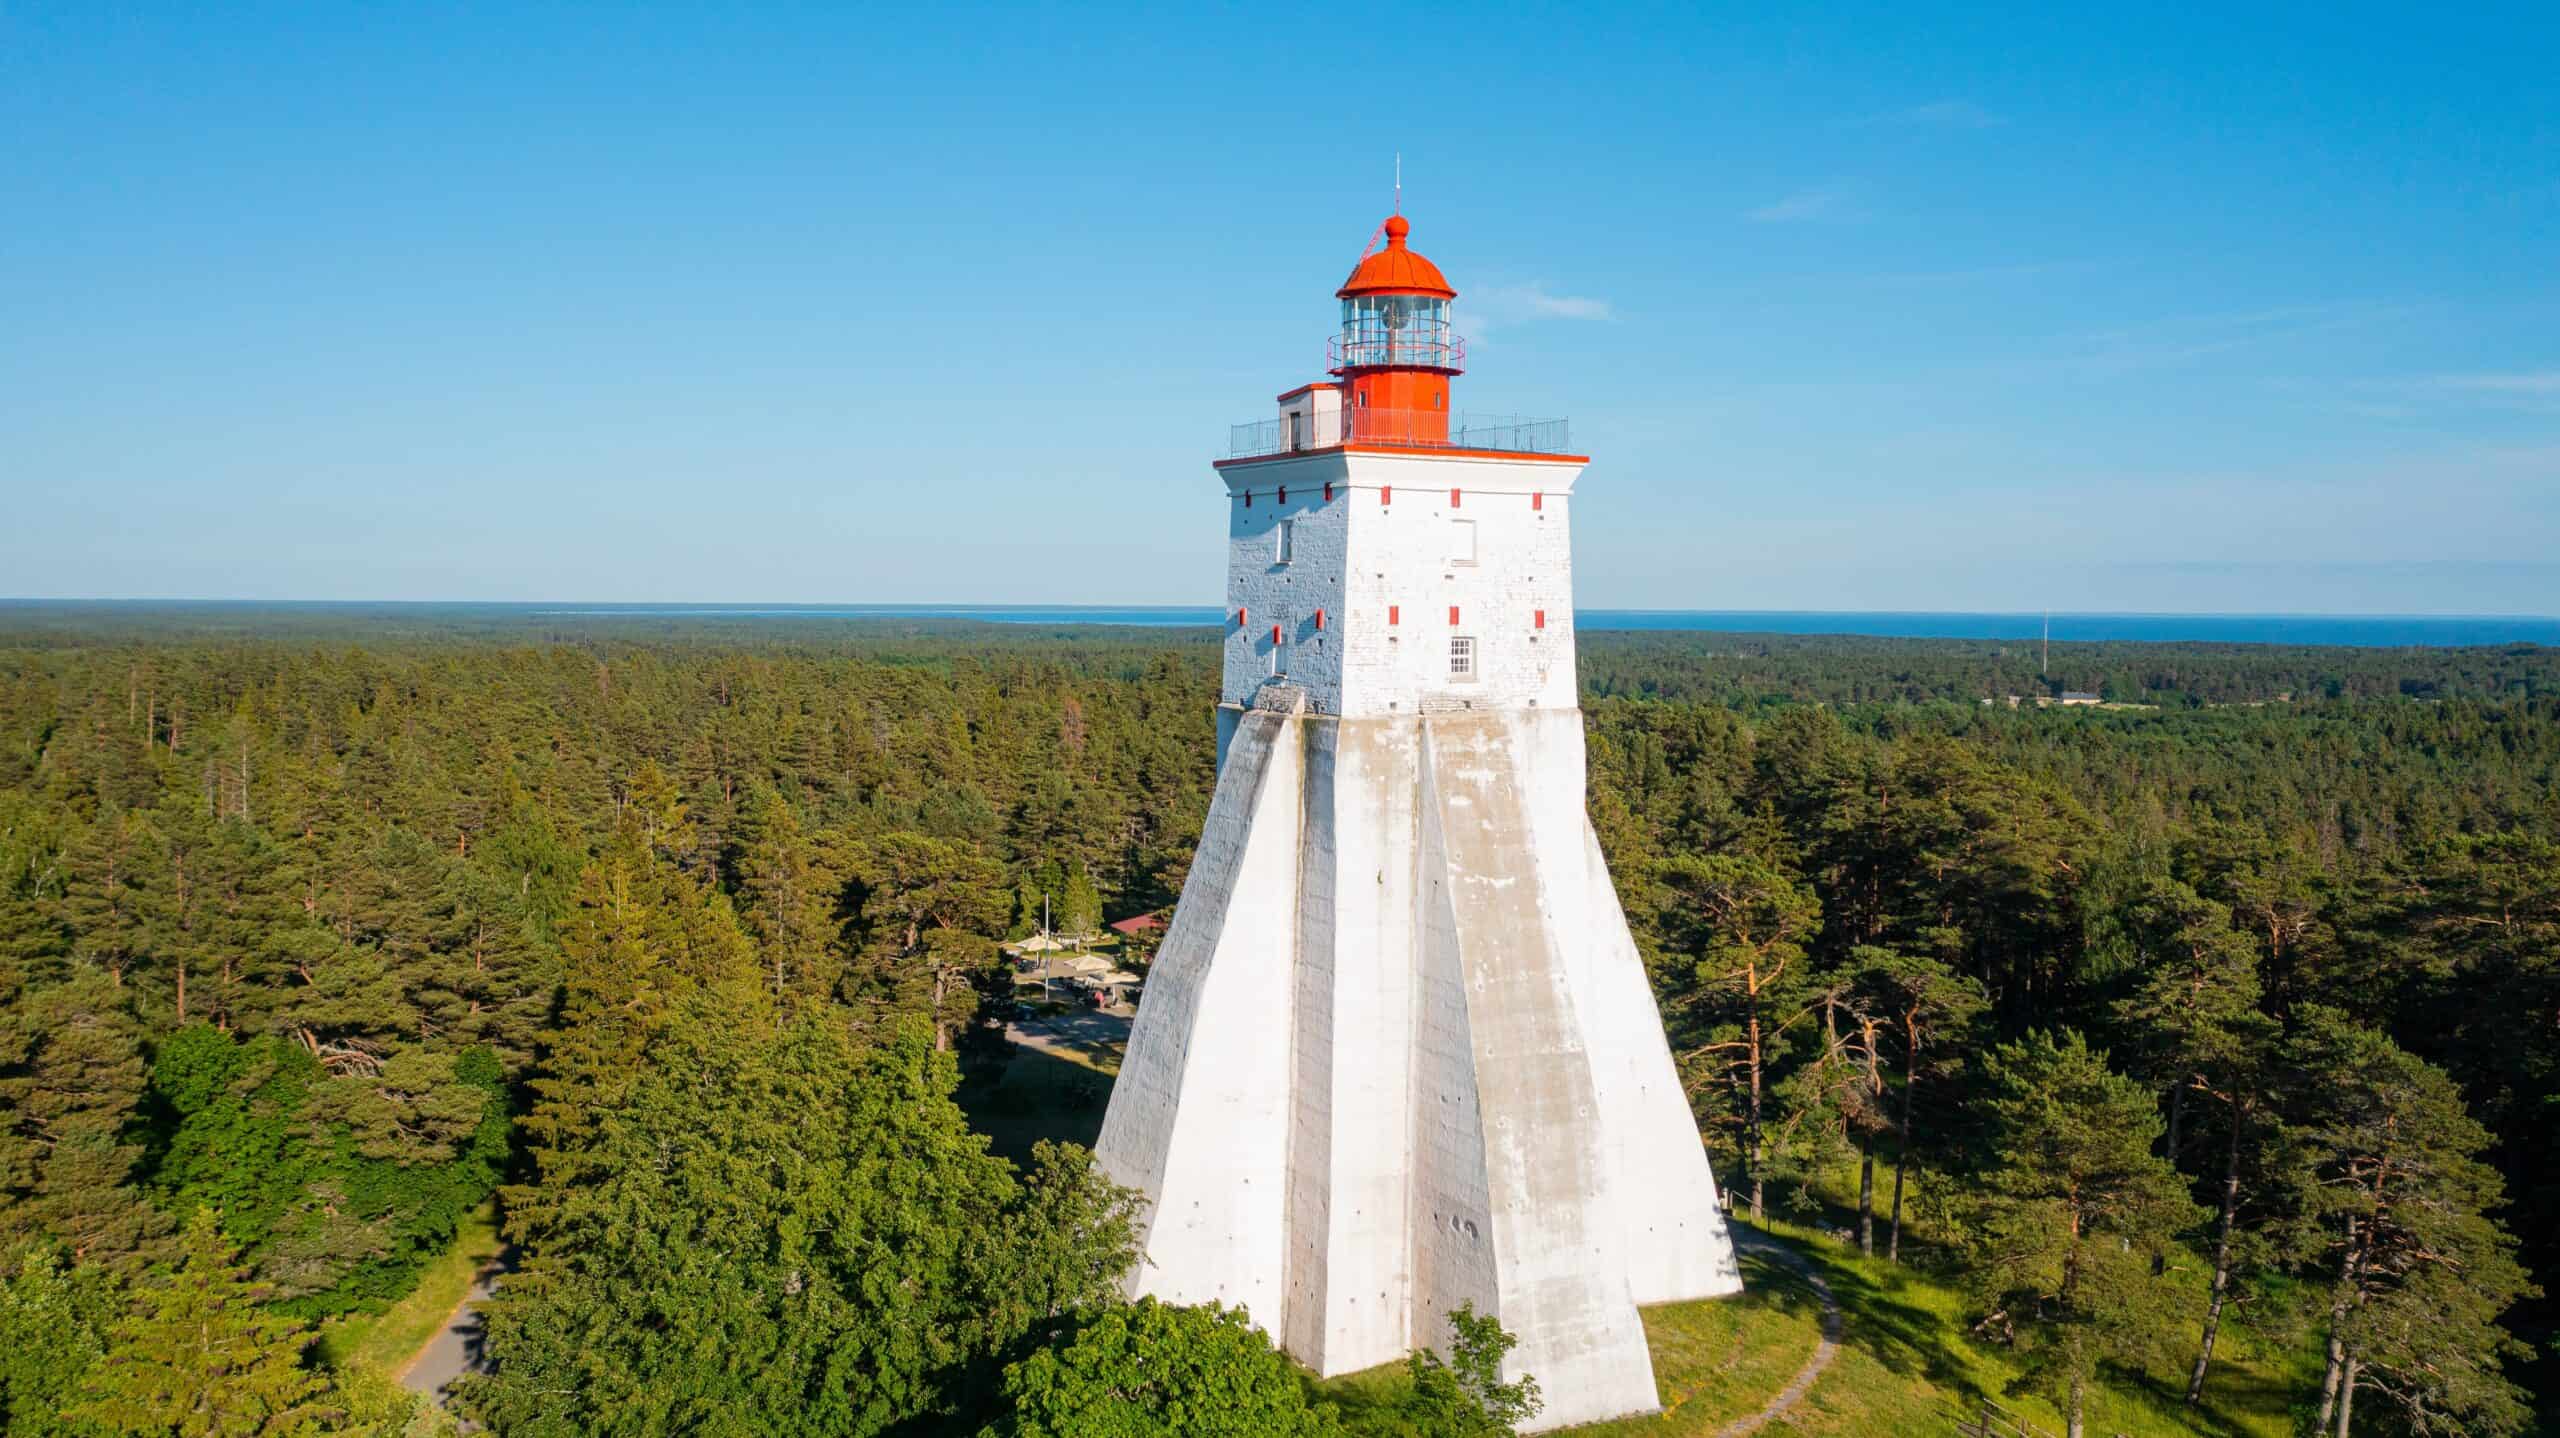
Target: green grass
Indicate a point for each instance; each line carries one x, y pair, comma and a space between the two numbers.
1907, 1364
382, 1344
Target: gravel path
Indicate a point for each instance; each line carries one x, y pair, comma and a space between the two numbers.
455, 1350
1823, 1352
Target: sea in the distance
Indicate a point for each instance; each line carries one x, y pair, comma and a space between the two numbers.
2360, 630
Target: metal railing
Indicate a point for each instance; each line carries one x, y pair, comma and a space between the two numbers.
1986, 1419
1425, 428
1419, 346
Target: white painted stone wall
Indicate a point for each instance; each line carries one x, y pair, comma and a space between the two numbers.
1382, 558
1311, 416
1270, 592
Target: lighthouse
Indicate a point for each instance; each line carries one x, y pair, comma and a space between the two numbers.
1398, 1053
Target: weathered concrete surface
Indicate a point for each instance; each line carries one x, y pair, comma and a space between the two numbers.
1199, 1117
1550, 1221
1398, 1054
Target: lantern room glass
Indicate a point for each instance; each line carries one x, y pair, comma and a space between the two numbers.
1396, 330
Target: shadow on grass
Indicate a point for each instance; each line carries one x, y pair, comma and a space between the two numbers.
1038, 1095
1898, 1317
2230, 1393
1912, 1322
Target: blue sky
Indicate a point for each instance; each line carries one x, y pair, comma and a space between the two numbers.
1894, 307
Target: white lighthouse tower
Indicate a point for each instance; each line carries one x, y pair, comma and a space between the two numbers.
1398, 1052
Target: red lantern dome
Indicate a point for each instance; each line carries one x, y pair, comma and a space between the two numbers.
1396, 270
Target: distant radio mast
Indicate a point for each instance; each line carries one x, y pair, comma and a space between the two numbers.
2044, 665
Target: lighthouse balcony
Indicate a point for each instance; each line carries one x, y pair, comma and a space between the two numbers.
1400, 428
1410, 346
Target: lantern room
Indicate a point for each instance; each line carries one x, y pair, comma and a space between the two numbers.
1396, 352
1393, 360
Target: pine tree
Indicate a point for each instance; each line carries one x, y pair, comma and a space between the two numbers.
1742, 925
616, 985
2194, 1015
492, 983
2074, 1206
71, 1086
1081, 908
109, 902
201, 1357
789, 898
2421, 1272
926, 910
1929, 1007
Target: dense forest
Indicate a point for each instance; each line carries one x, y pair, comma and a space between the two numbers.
320, 929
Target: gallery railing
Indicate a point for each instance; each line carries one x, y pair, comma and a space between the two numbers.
1424, 428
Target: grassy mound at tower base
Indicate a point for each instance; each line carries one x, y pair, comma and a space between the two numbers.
1907, 1363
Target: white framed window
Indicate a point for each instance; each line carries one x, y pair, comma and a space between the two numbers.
1462, 658
1285, 541
1462, 541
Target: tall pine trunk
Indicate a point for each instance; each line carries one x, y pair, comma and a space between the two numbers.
2347, 1399
1757, 1156
1867, 1194
1867, 1139
2221, 1254
1902, 1140
2332, 1376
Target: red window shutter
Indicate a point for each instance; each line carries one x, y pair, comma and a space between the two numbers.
1320, 618
1455, 496
1244, 618
1538, 500
1394, 613
1284, 494
1275, 633
1248, 499
1542, 619
1386, 494
1453, 614
1328, 492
